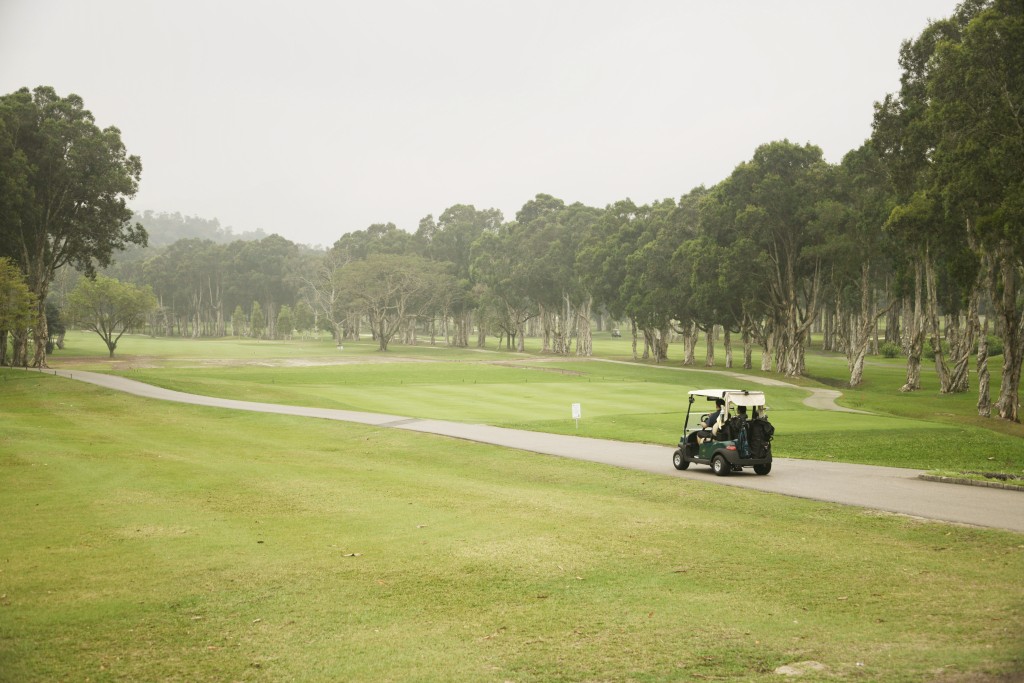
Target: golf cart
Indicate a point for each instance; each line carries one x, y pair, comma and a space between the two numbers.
741, 436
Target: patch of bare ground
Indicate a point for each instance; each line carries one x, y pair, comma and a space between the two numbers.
530, 366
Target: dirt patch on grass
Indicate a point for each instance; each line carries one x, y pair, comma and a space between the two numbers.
155, 362
525, 366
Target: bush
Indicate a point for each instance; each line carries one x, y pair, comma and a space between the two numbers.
890, 350
928, 351
995, 345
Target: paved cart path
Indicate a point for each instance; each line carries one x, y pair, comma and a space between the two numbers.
890, 489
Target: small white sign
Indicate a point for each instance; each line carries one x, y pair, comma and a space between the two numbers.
576, 412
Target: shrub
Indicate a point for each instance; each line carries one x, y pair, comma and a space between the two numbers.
890, 350
928, 351
995, 345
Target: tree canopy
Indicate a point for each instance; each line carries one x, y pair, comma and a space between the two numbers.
65, 185
109, 307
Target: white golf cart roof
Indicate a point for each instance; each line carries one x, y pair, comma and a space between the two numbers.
737, 397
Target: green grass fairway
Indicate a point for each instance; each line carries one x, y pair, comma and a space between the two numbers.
149, 541
634, 402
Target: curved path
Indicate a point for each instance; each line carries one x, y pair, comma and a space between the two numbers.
822, 399
889, 489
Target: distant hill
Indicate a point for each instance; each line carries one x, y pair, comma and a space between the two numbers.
168, 228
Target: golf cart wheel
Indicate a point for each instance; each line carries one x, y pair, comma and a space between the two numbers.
720, 466
679, 461
763, 469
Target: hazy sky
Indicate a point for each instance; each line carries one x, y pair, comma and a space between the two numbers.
311, 118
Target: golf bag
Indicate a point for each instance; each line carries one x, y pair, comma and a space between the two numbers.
759, 437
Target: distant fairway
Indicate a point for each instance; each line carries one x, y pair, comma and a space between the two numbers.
635, 402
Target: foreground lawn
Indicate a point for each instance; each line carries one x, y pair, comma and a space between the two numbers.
152, 541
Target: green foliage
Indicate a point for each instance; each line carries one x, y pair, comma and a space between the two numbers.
390, 289
17, 303
890, 350
305, 318
257, 323
995, 345
63, 189
238, 321
167, 228
109, 307
285, 322
929, 350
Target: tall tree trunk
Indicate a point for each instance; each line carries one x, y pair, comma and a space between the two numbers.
941, 370
584, 337
19, 348
1012, 322
915, 337
892, 326
727, 342
859, 328
545, 319
689, 343
709, 338
962, 339
767, 347
984, 397
748, 350
661, 348
481, 332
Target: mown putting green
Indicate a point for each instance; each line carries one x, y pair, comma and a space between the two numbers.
153, 541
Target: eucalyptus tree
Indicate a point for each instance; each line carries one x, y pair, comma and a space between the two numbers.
686, 225
975, 91
321, 287
650, 290
450, 240
544, 268
861, 261
772, 202
188, 278
546, 238
957, 96
710, 291
714, 291
379, 238
577, 301
263, 269
601, 258
63, 197
391, 290
496, 260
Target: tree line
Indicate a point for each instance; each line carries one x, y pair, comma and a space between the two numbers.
918, 231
